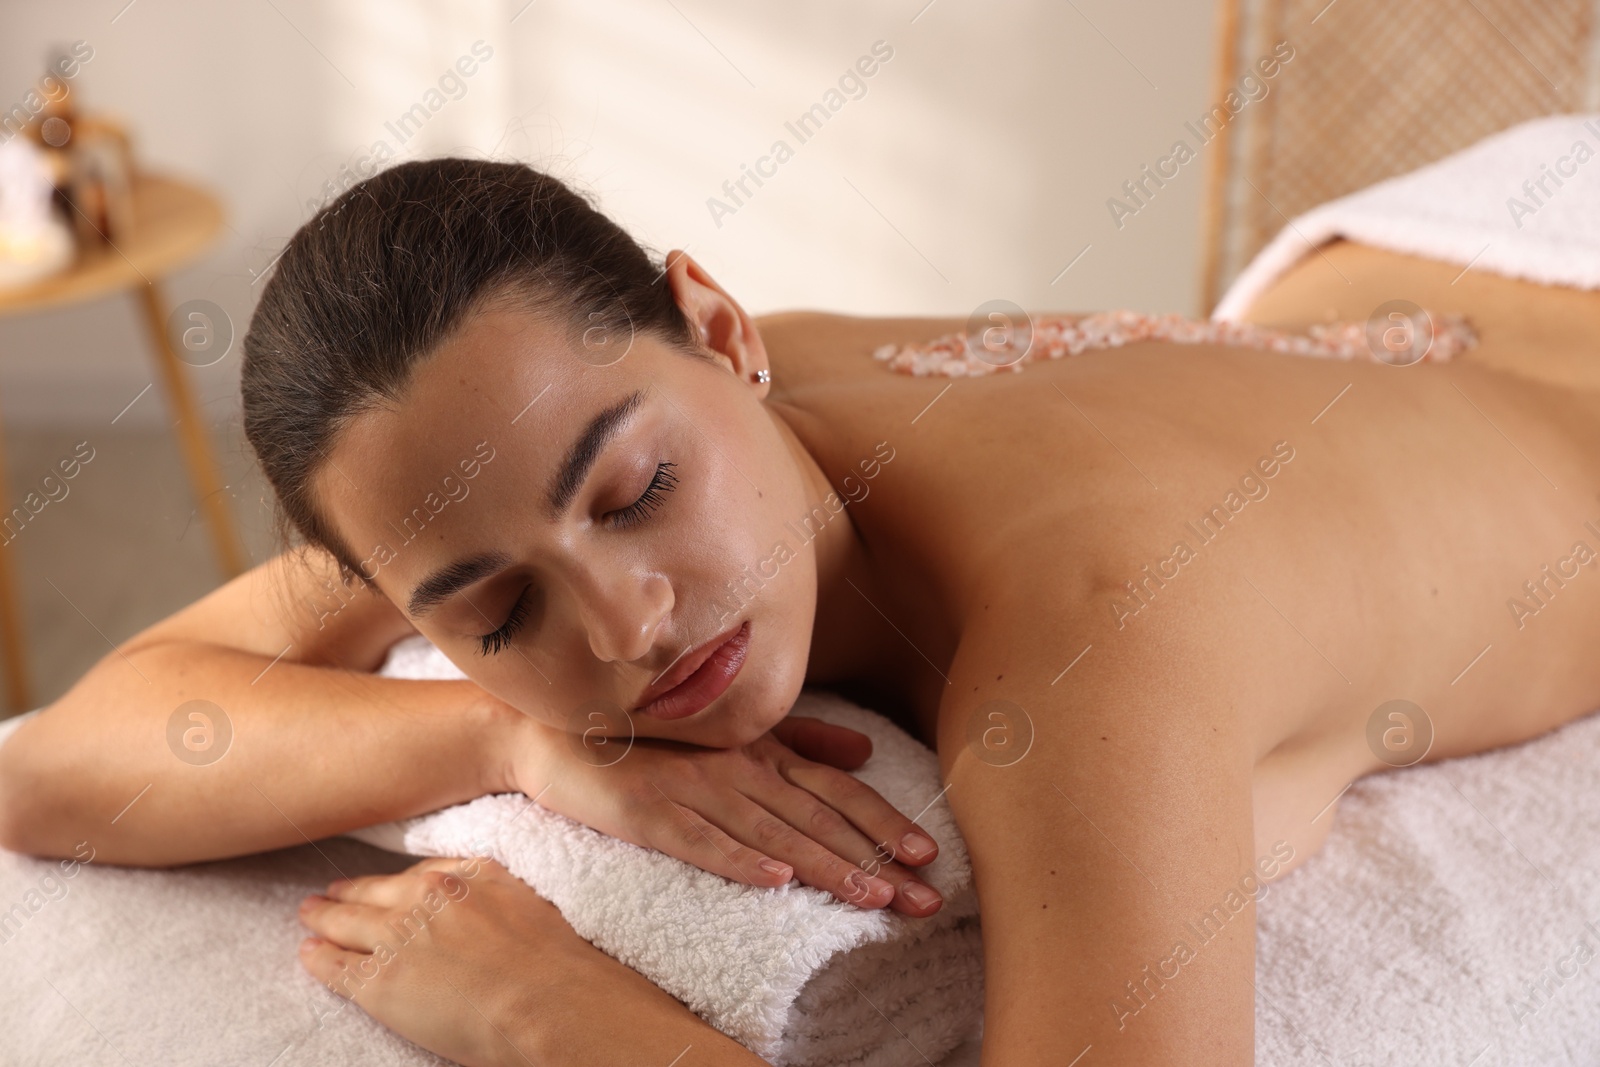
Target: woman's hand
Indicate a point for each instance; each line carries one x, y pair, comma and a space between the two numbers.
781, 807
466, 960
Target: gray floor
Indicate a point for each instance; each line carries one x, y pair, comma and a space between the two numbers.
124, 547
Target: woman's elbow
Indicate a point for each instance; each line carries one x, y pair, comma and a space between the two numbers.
18, 832
15, 837
26, 829
31, 838
25, 822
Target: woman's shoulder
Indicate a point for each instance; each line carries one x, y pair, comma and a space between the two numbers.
805, 347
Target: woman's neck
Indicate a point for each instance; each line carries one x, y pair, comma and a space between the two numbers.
847, 642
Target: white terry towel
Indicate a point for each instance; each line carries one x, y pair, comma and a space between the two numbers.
793, 974
1481, 206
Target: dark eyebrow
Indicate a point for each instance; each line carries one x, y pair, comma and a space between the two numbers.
445, 582
586, 449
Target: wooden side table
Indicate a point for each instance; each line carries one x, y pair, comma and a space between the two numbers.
173, 224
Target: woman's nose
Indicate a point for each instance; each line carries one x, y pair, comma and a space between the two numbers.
622, 616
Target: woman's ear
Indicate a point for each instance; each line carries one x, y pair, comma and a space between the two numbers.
720, 325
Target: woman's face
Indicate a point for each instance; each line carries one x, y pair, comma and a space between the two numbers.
572, 535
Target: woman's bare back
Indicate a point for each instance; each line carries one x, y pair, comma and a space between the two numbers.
1196, 577
1418, 503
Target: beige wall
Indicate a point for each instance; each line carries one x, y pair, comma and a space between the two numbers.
976, 165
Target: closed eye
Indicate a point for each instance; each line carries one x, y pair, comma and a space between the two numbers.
489, 644
660, 485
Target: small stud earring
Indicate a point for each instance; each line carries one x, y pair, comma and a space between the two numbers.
763, 376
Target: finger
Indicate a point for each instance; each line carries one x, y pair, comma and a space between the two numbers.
895, 837
687, 835
448, 864
821, 822
813, 739
392, 890
337, 968
814, 864
385, 890
353, 926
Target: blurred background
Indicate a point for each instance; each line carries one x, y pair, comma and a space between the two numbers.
983, 157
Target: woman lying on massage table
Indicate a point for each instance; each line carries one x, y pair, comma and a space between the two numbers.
1182, 582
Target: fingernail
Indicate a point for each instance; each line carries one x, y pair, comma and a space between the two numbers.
920, 896
916, 845
338, 884
863, 885
774, 868
310, 943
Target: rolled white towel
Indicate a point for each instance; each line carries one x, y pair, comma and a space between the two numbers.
793, 974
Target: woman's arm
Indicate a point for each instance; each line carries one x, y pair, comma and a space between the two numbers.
298, 741
319, 745
1103, 855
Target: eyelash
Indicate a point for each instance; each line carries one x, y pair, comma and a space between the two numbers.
490, 644
654, 494
663, 483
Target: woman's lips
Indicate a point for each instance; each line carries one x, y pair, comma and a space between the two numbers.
708, 681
